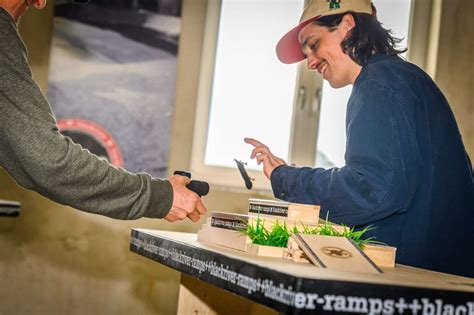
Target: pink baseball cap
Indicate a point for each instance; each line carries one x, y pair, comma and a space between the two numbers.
288, 48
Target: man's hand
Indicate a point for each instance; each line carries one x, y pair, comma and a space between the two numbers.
263, 154
186, 203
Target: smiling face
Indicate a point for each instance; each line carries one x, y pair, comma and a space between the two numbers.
322, 48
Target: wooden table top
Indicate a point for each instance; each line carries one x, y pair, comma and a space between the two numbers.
300, 287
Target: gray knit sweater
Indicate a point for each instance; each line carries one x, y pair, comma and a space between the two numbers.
38, 157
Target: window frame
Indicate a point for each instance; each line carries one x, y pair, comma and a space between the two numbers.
306, 105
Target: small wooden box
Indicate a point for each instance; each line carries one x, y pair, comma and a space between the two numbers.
296, 212
223, 237
267, 251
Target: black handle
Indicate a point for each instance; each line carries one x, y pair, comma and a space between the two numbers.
199, 187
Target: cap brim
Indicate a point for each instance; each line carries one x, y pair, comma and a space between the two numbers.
288, 49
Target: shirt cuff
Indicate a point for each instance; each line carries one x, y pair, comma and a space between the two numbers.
161, 198
277, 179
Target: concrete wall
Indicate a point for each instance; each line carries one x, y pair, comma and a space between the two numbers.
38, 42
56, 260
455, 64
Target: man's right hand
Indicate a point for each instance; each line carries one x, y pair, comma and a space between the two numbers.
186, 203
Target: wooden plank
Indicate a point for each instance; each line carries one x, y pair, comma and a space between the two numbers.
382, 256
267, 251
200, 298
295, 253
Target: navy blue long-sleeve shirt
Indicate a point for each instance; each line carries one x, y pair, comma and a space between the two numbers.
407, 172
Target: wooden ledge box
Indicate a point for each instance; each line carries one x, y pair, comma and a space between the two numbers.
223, 237
284, 210
239, 222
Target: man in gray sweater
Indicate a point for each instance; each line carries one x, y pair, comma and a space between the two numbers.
38, 157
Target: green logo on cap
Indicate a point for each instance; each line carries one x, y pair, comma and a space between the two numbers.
334, 4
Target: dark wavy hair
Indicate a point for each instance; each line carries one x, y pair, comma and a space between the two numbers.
367, 38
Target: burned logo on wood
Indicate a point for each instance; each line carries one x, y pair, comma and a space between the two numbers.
336, 252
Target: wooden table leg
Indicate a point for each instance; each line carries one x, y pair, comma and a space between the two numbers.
200, 298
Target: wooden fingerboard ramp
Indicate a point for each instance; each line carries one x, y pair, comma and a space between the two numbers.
227, 229
335, 252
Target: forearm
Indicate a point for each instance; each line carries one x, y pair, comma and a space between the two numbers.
38, 157
353, 197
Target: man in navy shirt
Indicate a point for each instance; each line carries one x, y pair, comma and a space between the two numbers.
406, 169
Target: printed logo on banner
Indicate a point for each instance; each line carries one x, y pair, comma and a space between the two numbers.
92, 137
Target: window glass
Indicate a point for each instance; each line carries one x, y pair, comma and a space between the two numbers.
252, 93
